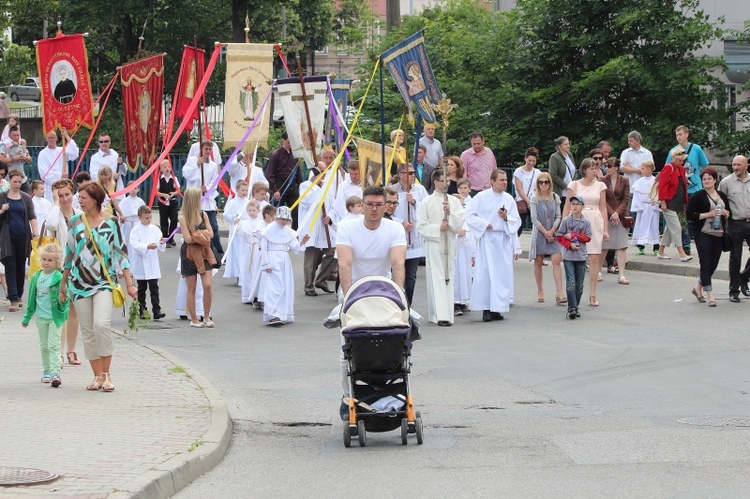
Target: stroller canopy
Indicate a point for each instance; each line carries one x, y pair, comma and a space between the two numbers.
374, 302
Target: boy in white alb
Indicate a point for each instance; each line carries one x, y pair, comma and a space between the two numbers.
646, 229
129, 207
276, 240
145, 240
260, 194
41, 206
234, 213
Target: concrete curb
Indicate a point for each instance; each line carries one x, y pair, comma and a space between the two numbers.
173, 475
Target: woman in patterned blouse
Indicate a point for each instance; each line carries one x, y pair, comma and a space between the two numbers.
89, 286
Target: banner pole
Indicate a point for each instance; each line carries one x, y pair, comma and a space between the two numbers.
382, 124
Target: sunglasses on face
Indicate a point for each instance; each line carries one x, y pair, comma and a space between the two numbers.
542, 182
597, 158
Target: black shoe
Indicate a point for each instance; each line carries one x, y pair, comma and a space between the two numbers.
457, 310
325, 289
275, 321
572, 313
158, 315
487, 316
444, 323
183, 317
734, 298
744, 288
311, 293
496, 316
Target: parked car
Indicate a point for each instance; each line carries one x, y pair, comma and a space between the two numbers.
30, 90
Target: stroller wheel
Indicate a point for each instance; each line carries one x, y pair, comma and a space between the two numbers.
404, 431
347, 435
361, 433
418, 424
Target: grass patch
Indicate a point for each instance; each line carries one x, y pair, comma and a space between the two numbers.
196, 443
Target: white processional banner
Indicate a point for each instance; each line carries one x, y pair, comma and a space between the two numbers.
249, 76
290, 96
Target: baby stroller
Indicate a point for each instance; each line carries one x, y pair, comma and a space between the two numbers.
377, 336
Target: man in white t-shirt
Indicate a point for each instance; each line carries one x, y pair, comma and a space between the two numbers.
369, 246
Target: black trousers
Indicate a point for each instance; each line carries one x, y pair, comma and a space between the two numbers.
740, 232
15, 269
410, 278
153, 287
709, 252
168, 215
288, 199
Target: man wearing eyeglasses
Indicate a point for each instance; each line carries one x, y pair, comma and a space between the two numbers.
369, 246
391, 202
410, 196
107, 156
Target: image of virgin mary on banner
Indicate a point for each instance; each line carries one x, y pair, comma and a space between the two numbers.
340, 88
62, 63
142, 90
410, 67
290, 96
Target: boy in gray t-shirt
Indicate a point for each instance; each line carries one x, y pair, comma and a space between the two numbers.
573, 234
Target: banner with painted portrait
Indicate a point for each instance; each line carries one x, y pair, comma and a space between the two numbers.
410, 67
191, 74
293, 105
62, 63
249, 77
142, 90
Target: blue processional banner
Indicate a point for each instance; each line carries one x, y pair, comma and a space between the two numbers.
340, 88
410, 67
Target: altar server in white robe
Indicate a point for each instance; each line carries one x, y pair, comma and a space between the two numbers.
144, 242
251, 279
464, 268
52, 164
129, 207
492, 217
352, 186
440, 248
240, 169
235, 212
276, 241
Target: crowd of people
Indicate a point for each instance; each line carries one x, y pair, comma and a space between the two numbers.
461, 223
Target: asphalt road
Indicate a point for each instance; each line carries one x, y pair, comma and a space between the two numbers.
645, 396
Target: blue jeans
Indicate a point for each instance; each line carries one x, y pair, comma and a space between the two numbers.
575, 272
216, 240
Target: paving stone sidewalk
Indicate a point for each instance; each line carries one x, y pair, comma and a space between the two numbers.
161, 428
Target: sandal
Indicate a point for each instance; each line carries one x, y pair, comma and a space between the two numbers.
612, 270
107, 386
73, 359
622, 280
197, 324
599, 277
560, 300
540, 298
712, 303
593, 301
46, 378
94, 385
697, 296
209, 324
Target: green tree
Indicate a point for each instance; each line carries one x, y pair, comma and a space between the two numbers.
16, 64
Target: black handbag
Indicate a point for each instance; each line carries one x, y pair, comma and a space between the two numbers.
726, 241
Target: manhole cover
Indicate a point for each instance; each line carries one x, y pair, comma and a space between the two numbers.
154, 325
25, 476
716, 421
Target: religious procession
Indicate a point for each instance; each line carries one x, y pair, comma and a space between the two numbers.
352, 207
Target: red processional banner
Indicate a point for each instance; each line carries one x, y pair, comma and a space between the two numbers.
62, 63
142, 91
191, 74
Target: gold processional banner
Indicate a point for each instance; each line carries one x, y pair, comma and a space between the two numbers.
371, 156
249, 77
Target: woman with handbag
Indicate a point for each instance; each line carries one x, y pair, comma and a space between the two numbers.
545, 219
56, 227
618, 196
673, 198
196, 254
524, 181
709, 211
17, 228
94, 250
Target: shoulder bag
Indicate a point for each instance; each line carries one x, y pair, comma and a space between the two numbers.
35, 258
523, 206
118, 295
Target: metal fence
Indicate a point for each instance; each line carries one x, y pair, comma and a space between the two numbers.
27, 111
